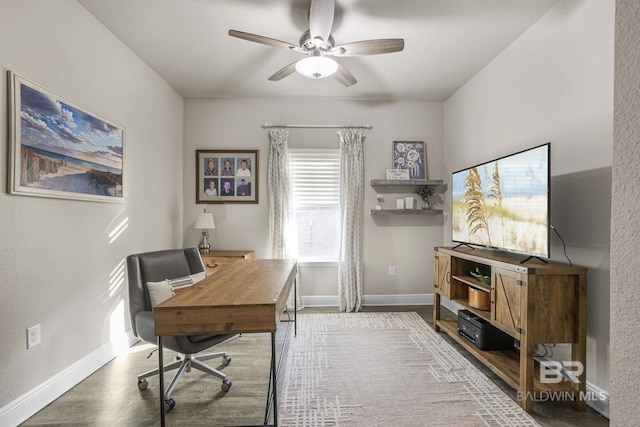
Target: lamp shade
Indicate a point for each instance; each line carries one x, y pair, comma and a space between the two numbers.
316, 67
205, 221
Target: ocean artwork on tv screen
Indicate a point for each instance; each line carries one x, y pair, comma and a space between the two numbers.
504, 203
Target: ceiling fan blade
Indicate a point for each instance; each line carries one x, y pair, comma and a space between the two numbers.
264, 40
321, 18
368, 47
284, 72
344, 76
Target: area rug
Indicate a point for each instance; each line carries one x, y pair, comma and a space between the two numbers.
385, 369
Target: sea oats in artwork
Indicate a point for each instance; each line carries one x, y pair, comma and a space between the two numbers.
504, 203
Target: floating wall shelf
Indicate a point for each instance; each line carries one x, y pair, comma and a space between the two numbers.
406, 186
388, 212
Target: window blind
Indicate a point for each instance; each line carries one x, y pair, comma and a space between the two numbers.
315, 178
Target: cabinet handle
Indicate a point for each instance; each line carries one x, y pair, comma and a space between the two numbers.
448, 279
212, 266
491, 295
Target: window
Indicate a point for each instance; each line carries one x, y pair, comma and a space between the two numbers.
315, 188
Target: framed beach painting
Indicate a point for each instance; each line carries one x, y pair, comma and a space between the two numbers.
226, 176
60, 149
411, 156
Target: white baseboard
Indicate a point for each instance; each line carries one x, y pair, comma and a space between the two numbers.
320, 301
450, 305
407, 299
25, 406
598, 399
370, 300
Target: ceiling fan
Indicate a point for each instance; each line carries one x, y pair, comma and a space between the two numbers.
318, 44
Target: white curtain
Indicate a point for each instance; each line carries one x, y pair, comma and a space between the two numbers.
283, 242
350, 264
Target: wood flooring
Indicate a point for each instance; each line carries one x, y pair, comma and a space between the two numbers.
111, 397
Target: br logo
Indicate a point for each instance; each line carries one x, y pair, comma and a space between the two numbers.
554, 372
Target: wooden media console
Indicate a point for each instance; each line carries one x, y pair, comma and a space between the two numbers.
534, 302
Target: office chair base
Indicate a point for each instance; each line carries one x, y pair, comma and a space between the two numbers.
184, 365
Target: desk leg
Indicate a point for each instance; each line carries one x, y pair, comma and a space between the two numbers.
274, 378
272, 395
295, 307
161, 376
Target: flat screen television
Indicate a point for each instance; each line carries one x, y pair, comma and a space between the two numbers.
504, 203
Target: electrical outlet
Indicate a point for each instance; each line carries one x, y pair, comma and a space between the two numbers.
392, 270
33, 336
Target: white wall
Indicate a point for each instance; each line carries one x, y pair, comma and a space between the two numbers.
404, 242
625, 224
554, 83
57, 267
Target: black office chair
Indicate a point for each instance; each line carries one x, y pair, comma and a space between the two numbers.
156, 267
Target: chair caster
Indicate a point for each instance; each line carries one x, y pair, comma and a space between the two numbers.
226, 385
226, 360
169, 404
142, 384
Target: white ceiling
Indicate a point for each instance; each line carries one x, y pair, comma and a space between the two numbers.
446, 43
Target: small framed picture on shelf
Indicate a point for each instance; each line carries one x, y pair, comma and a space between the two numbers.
411, 156
397, 174
226, 176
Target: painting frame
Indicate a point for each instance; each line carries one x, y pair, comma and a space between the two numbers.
60, 149
412, 156
227, 176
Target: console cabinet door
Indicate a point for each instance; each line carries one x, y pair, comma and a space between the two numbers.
443, 274
507, 297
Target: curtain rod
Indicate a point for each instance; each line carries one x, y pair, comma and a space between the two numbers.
275, 125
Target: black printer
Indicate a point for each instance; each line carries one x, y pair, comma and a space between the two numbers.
482, 333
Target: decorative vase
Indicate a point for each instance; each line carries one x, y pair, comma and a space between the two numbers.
426, 204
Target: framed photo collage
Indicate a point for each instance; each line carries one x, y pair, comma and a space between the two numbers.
226, 176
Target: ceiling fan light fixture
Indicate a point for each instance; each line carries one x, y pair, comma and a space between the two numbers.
316, 67
319, 46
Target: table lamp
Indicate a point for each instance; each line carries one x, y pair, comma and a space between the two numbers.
205, 222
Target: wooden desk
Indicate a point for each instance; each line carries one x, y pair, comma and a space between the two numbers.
240, 298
